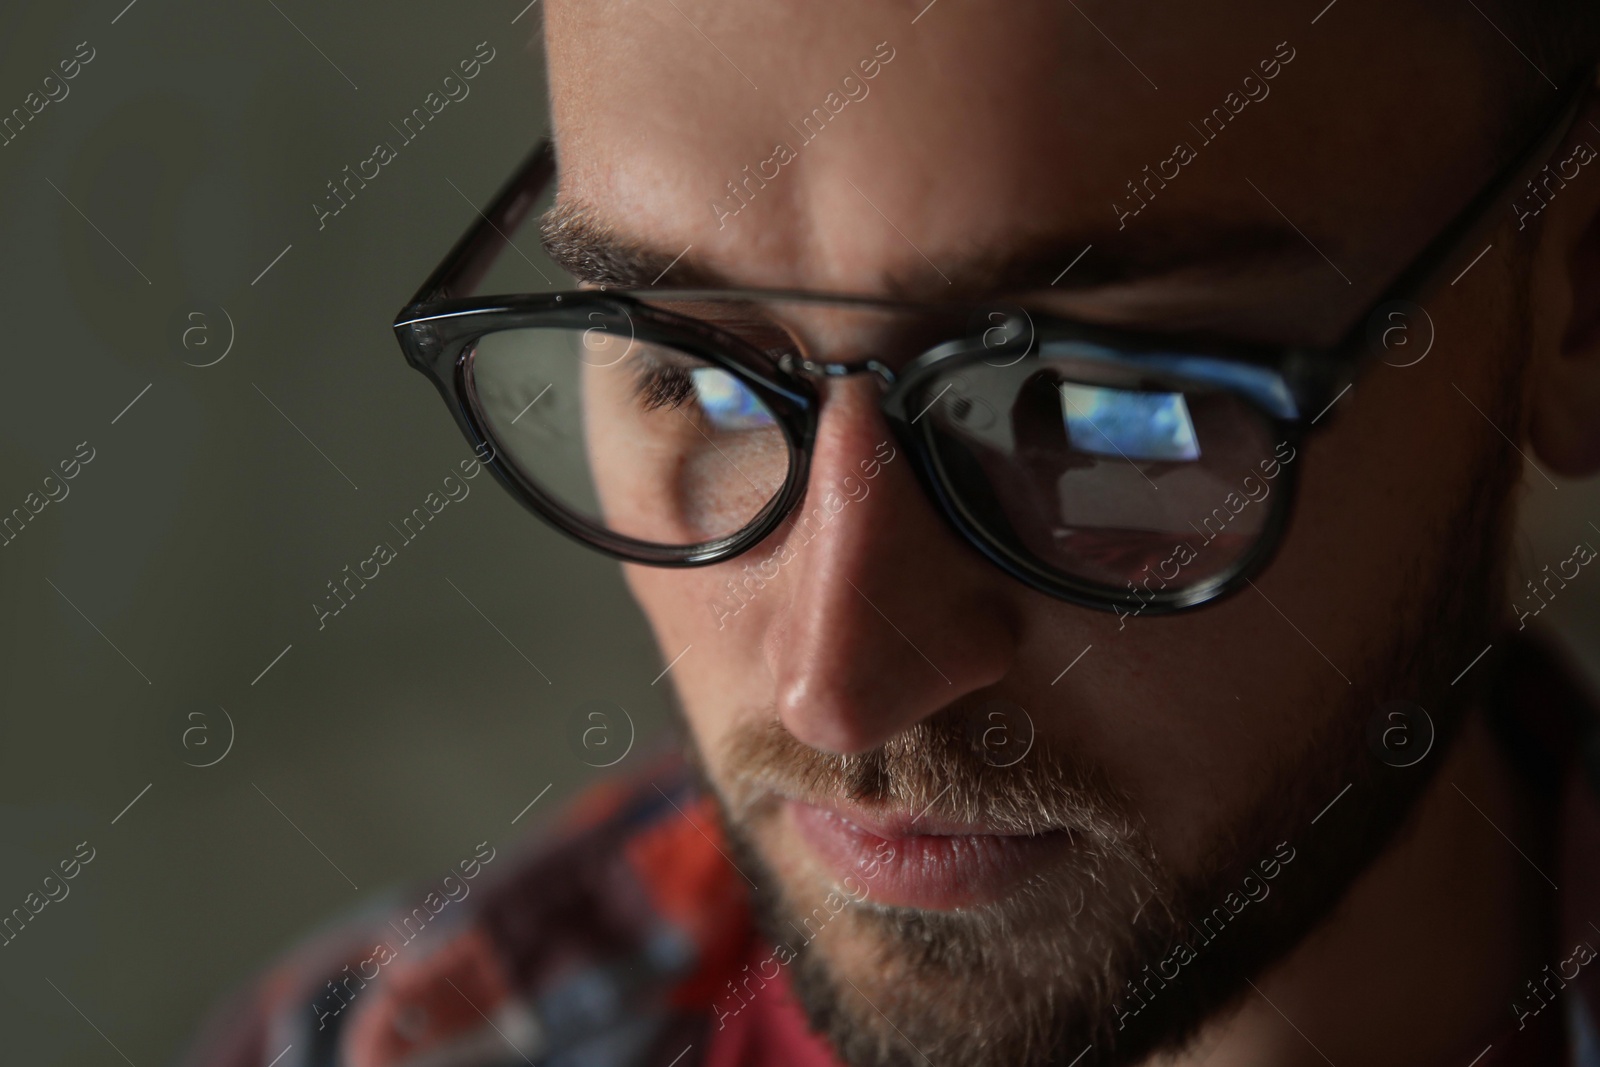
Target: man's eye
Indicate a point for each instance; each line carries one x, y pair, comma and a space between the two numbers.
722, 400
727, 402
661, 386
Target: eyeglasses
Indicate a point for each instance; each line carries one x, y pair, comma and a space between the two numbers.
1116, 469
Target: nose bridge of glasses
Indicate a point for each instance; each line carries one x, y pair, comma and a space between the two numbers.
820, 339
799, 365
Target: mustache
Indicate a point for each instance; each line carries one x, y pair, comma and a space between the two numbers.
940, 767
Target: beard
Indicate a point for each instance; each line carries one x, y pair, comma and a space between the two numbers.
1109, 956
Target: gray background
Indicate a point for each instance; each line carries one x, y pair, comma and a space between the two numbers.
410, 728
407, 730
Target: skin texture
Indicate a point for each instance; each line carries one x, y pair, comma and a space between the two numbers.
984, 134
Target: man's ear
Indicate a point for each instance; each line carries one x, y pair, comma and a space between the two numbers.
1565, 430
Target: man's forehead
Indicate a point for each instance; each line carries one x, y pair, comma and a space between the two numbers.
885, 149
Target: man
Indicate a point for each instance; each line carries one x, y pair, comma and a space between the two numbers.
952, 814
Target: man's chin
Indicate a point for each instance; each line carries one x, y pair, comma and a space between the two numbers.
892, 986
889, 969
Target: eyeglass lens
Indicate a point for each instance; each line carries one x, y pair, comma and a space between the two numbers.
638, 438
1104, 473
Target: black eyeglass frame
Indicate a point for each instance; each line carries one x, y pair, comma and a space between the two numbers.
438, 327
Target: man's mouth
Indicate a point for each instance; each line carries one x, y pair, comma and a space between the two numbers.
916, 860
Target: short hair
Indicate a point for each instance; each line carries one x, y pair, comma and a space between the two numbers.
1558, 42
1559, 37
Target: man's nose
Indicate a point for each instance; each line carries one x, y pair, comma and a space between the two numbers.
892, 616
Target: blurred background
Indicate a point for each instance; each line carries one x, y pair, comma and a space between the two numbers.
178, 309
137, 216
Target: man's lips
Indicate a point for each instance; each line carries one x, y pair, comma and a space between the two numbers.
922, 861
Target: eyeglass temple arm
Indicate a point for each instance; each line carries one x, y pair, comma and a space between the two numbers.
460, 272
1479, 218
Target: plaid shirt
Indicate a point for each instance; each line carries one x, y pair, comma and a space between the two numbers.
607, 945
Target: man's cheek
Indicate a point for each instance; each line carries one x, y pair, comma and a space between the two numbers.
716, 619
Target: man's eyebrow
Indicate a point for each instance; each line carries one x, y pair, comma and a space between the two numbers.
577, 241
1191, 248
575, 236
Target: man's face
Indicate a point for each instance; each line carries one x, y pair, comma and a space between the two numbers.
976, 813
